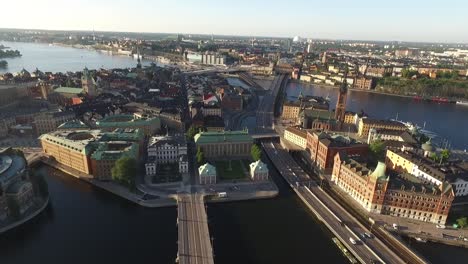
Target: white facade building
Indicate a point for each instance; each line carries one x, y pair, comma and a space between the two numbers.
166, 149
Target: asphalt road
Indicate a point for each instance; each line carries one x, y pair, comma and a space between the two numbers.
266, 107
343, 224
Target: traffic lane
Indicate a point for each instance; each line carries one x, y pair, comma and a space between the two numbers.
365, 252
341, 231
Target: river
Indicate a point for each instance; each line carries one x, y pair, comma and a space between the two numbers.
449, 121
61, 59
86, 225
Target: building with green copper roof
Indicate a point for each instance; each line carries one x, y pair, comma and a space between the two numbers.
68, 91
149, 125
224, 144
78, 148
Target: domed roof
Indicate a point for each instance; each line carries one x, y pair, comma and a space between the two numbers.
428, 146
379, 172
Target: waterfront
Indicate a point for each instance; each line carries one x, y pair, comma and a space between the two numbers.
439, 118
62, 59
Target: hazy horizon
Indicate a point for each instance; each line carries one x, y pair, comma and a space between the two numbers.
415, 21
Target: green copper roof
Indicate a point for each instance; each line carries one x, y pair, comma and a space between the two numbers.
125, 121
115, 150
69, 90
259, 167
207, 170
379, 172
223, 136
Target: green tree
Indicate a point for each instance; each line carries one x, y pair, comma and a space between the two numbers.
445, 155
462, 221
377, 150
256, 152
124, 171
200, 156
192, 131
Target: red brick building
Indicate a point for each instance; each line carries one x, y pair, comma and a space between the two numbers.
399, 195
323, 148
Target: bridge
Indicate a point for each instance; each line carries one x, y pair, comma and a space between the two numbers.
194, 237
339, 221
267, 106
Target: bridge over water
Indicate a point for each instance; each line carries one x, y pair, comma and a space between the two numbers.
194, 236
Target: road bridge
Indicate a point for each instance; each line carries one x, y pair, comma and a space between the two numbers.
194, 237
341, 223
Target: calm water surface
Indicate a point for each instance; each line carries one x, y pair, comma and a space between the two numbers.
62, 59
86, 225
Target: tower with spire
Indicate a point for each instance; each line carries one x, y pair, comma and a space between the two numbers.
138, 59
340, 109
87, 83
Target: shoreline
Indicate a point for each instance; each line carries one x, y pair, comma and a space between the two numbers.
169, 201
26, 219
326, 86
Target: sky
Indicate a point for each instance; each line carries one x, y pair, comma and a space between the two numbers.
400, 20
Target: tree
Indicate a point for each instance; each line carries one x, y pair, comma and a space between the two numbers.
377, 150
200, 156
124, 170
192, 131
462, 221
256, 152
445, 155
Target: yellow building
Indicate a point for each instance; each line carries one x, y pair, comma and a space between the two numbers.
291, 110
349, 117
398, 162
296, 136
365, 124
70, 148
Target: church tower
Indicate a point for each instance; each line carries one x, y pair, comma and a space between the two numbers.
340, 109
88, 84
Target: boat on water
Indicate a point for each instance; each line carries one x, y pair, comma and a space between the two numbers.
420, 240
462, 103
344, 250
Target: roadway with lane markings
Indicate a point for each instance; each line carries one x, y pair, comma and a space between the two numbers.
193, 234
337, 219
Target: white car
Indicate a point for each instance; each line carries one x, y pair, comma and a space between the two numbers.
440, 226
352, 241
395, 226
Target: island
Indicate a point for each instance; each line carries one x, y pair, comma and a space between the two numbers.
9, 53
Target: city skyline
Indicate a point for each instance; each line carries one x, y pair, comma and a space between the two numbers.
417, 21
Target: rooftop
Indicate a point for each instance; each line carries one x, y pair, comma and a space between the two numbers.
68, 90
224, 136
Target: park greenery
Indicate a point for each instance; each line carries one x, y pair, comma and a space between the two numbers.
377, 151
124, 171
9, 53
193, 130
442, 157
200, 156
444, 86
462, 222
256, 152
